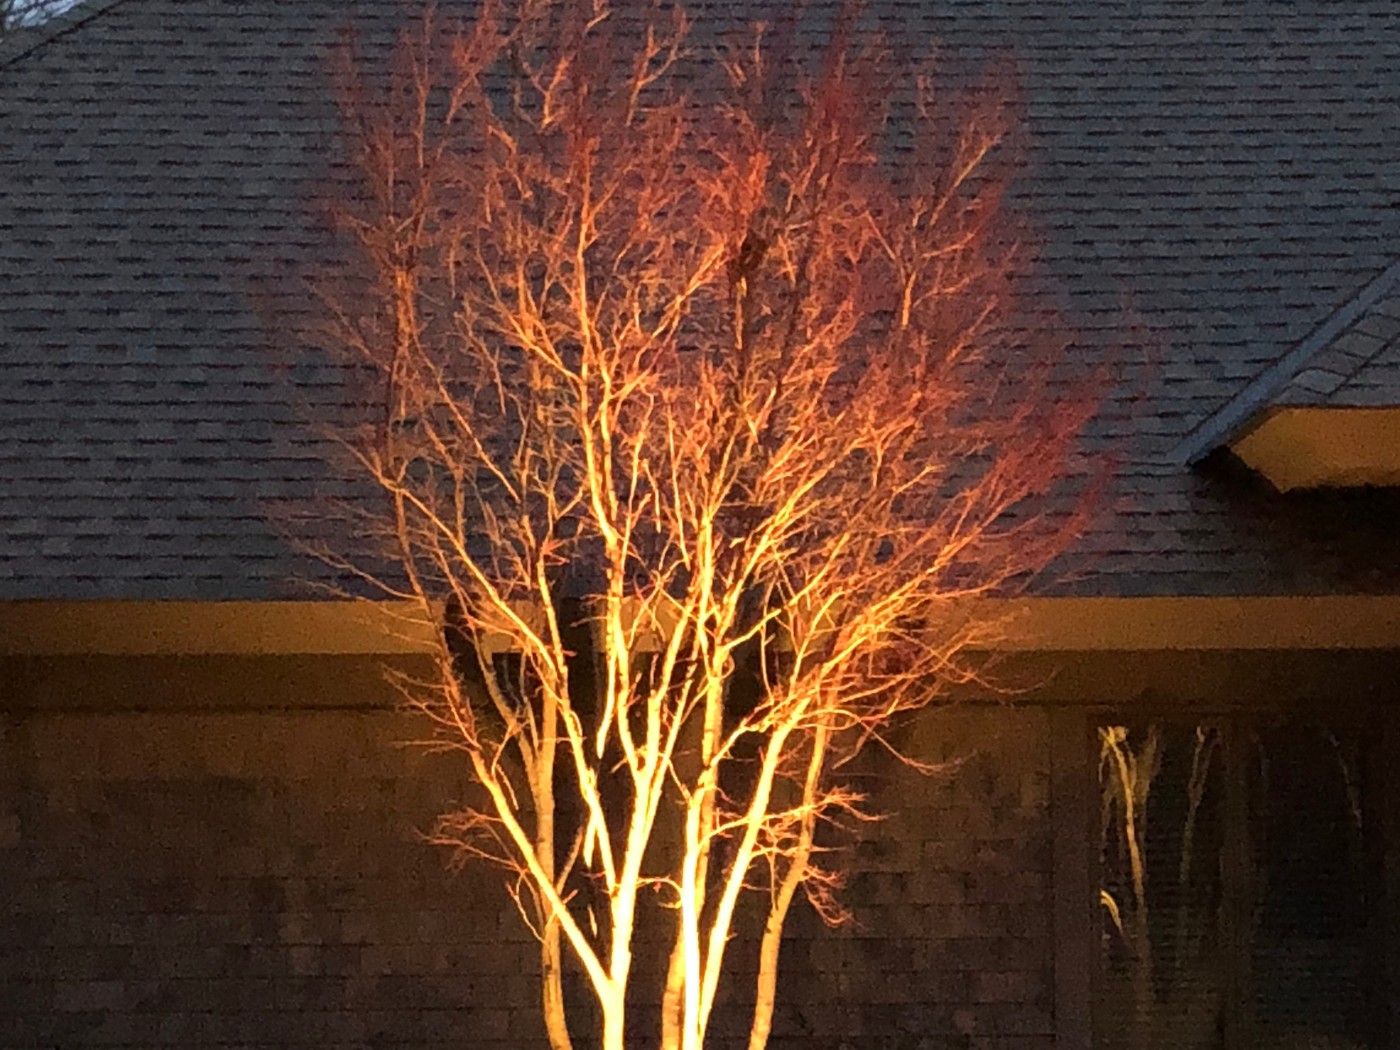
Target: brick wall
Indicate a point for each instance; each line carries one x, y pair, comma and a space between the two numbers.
226, 854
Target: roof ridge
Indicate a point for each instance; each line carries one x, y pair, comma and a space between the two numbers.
1207, 435
26, 41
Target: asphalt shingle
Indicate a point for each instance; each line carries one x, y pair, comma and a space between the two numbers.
1211, 183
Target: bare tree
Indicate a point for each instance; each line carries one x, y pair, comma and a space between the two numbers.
689, 364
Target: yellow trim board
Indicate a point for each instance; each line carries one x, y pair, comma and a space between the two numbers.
1088, 624
368, 628
1312, 446
149, 628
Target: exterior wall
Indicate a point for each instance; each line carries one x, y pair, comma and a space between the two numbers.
950, 946
227, 852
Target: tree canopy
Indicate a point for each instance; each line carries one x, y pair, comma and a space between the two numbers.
699, 431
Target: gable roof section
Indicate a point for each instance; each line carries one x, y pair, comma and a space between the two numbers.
1227, 170
1328, 413
1350, 359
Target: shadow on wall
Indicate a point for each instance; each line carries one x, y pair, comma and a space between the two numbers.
1322, 541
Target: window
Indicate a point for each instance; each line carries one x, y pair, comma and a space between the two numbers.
1236, 899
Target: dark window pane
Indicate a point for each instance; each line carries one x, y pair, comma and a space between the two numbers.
1312, 903
1235, 900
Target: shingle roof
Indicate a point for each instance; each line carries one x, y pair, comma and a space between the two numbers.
161, 164
1213, 182
1361, 366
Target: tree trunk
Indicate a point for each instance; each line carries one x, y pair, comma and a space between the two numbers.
614, 1023
552, 988
671, 998
770, 948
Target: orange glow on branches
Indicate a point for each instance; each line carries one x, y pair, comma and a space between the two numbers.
689, 363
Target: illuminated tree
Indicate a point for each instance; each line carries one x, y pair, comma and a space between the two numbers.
694, 439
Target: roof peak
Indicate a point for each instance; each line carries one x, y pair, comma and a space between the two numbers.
1260, 391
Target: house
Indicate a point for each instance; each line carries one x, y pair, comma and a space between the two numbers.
207, 836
